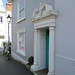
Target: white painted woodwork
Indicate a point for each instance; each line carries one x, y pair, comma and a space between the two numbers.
34, 67
39, 48
43, 18
42, 49
35, 46
51, 51
18, 49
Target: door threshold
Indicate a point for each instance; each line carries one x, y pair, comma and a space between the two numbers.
42, 72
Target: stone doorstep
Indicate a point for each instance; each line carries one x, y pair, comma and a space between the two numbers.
41, 72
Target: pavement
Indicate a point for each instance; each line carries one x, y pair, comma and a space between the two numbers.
12, 67
1, 50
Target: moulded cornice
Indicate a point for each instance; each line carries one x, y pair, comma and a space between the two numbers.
51, 13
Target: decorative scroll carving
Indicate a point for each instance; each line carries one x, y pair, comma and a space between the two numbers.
43, 11
9, 1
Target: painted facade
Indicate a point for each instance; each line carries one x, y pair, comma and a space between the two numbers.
4, 25
45, 31
64, 38
24, 27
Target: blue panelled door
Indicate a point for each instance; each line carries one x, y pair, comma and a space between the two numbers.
47, 48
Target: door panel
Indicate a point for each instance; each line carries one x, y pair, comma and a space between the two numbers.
47, 49
43, 49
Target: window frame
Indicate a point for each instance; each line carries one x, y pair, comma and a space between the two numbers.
18, 50
18, 12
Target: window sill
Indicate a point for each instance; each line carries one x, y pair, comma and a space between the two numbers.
21, 53
1, 22
20, 20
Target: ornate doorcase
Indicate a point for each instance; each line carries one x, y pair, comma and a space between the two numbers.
44, 17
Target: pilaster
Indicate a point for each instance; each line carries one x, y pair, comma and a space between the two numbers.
51, 51
34, 67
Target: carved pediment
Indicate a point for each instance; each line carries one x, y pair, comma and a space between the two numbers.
9, 1
44, 10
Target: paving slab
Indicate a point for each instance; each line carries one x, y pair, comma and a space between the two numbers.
12, 67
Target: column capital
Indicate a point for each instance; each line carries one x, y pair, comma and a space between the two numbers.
51, 27
35, 30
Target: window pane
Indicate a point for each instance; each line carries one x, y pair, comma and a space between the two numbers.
21, 41
21, 5
21, 9
22, 14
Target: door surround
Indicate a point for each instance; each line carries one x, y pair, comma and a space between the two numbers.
44, 17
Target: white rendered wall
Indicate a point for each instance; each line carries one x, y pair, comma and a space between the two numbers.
65, 37
3, 28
